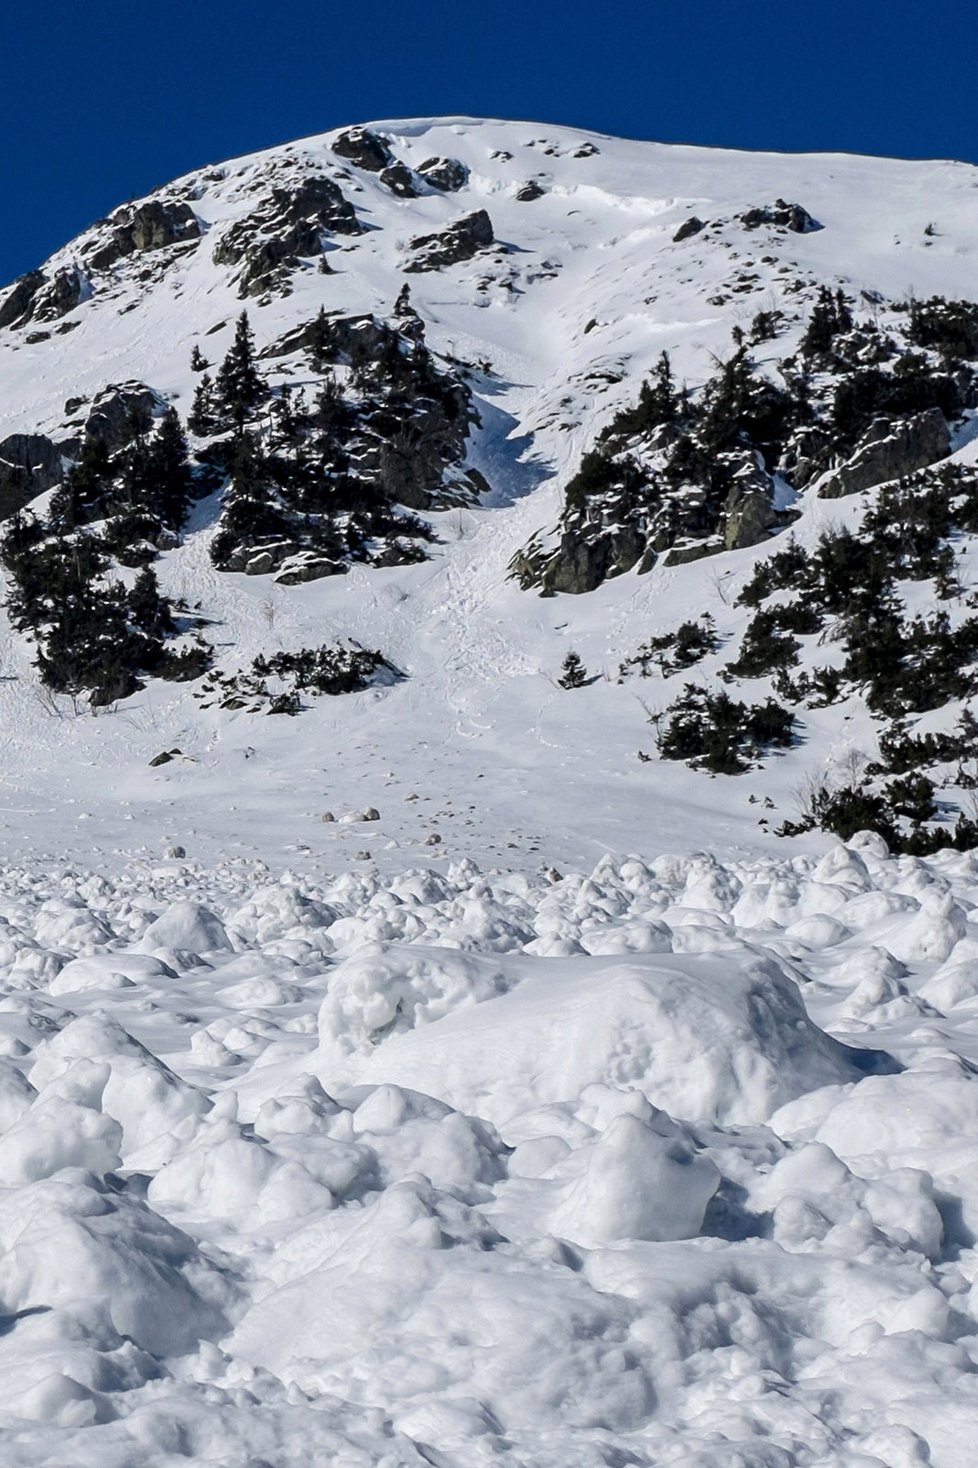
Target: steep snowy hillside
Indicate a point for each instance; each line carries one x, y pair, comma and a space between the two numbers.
534, 342
486, 688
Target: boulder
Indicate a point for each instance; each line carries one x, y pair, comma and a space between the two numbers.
308, 567
687, 229
121, 412
460, 241
889, 449
530, 191
781, 214
366, 149
447, 174
400, 180
29, 464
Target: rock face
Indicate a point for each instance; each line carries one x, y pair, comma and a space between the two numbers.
890, 448
460, 241
59, 295
366, 149
749, 511
16, 304
122, 411
295, 220
580, 563
781, 214
29, 464
447, 174
150, 226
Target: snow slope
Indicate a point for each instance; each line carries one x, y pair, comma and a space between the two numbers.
322, 1144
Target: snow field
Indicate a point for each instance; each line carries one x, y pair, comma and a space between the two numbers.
672, 1162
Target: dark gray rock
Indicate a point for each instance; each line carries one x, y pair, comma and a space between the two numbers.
296, 220
750, 516
889, 449
530, 191
15, 307
447, 174
153, 225
121, 412
366, 149
59, 295
460, 241
400, 180
782, 215
29, 465
687, 229
581, 562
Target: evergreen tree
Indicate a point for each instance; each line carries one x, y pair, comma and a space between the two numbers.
319, 343
149, 610
168, 471
573, 673
198, 362
201, 420
239, 387
79, 498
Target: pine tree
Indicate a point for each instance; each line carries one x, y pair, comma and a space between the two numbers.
573, 673
168, 470
198, 362
79, 498
319, 343
149, 610
239, 387
200, 419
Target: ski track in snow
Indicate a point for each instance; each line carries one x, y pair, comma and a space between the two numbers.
323, 1145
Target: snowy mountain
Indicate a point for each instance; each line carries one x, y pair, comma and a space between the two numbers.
464, 580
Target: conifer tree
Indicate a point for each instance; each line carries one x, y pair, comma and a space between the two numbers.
198, 363
319, 343
239, 387
573, 673
200, 419
168, 471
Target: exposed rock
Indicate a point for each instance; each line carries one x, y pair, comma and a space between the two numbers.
295, 220
29, 464
587, 150
447, 174
152, 225
15, 307
686, 552
781, 214
61, 294
308, 567
370, 814
121, 412
889, 449
164, 758
400, 180
530, 191
750, 516
364, 148
460, 241
581, 561
687, 229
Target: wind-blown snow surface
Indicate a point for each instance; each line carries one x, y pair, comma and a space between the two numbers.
390, 1160
461, 1168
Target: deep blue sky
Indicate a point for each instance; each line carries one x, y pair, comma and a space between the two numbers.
104, 100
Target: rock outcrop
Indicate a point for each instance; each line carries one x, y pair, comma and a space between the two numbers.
447, 174
295, 220
30, 463
460, 241
782, 215
889, 449
366, 149
153, 225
